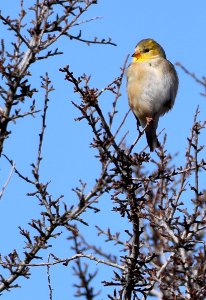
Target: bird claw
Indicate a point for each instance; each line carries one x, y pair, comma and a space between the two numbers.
149, 120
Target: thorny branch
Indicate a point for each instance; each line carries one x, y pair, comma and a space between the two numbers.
161, 251
151, 203
47, 28
49, 280
32, 39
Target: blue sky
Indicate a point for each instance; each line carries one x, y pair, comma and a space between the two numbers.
179, 27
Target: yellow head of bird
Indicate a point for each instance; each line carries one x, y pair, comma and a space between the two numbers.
147, 49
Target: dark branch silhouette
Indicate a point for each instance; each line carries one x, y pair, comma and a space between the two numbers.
161, 250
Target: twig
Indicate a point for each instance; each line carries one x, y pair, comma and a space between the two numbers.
29, 113
112, 114
8, 180
191, 74
122, 123
46, 85
49, 279
17, 172
65, 261
141, 132
16, 30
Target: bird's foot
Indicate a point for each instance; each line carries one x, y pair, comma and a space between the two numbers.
149, 120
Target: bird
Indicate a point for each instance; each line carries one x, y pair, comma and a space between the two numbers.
152, 85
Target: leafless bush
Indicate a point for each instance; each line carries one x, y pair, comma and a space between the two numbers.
163, 252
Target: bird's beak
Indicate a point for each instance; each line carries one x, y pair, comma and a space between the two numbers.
136, 55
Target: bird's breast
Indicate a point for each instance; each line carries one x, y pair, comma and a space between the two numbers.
150, 86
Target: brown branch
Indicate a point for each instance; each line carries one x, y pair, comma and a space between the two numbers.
66, 261
49, 280
8, 22
46, 85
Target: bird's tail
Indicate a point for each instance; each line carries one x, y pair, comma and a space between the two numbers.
152, 139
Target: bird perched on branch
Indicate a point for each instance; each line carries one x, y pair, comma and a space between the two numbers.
152, 85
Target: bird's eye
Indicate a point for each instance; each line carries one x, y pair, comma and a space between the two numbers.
146, 50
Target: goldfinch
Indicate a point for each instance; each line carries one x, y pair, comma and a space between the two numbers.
152, 84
